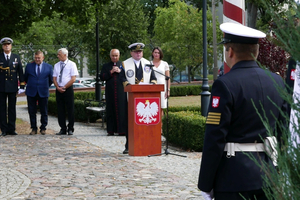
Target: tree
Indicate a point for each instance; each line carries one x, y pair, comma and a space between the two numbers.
257, 9
272, 56
149, 7
178, 30
121, 23
17, 15
49, 35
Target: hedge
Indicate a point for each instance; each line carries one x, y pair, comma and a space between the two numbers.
186, 129
186, 90
186, 125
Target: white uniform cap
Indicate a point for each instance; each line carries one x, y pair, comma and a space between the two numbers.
6, 40
136, 46
238, 33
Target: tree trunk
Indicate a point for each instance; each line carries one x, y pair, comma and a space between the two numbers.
251, 14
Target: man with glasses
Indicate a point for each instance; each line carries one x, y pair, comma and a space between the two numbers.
136, 70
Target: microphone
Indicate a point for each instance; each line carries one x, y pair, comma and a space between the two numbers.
150, 65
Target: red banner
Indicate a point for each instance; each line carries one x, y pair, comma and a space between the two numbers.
147, 111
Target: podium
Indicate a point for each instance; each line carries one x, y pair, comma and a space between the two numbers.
144, 119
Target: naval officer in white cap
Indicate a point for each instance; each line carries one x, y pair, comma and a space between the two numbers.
11, 71
136, 70
234, 130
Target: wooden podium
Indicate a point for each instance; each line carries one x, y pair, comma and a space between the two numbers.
144, 125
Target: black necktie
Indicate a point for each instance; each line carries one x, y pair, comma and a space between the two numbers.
7, 58
38, 70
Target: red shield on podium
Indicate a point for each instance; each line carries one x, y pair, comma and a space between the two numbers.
147, 111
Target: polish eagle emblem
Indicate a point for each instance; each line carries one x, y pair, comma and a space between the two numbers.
147, 111
215, 102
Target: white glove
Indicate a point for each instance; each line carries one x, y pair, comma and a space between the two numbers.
208, 195
21, 91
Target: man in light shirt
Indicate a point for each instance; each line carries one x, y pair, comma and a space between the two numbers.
64, 75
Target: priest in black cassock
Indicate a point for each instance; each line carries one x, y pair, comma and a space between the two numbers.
116, 98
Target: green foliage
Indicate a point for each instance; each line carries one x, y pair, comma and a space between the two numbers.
55, 34
186, 129
149, 7
283, 183
184, 108
186, 90
121, 23
178, 30
17, 15
80, 112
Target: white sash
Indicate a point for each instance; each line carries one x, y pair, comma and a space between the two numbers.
130, 74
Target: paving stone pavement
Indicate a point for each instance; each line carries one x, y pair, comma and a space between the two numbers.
90, 165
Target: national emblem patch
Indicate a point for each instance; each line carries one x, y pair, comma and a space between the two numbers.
215, 101
130, 73
293, 74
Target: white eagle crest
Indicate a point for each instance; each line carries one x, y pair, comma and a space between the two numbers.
147, 111
215, 102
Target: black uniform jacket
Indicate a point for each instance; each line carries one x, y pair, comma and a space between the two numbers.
10, 72
233, 118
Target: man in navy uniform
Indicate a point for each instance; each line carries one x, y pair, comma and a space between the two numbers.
136, 70
229, 173
11, 71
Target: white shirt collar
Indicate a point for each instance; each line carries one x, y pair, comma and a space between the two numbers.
66, 61
7, 54
137, 62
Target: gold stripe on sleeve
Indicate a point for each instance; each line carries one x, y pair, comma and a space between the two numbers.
213, 118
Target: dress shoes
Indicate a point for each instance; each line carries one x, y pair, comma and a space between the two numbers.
70, 132
110, 134
13, 133
33, 132
43, 132
3, 134
61, 132
125, 151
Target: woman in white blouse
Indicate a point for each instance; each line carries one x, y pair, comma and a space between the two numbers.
162, 67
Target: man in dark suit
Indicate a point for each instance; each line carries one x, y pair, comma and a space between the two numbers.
234, 131
11, 71
38, 77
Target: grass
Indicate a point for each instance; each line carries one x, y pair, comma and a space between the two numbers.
185, 100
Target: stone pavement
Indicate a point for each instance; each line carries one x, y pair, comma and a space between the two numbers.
90, 165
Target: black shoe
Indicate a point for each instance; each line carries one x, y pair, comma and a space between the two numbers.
70, 132
125, 151
110, 134
3, 134
13, 133
61, 132
33, 132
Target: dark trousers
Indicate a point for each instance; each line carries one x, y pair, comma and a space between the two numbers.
65, 102
32, 110
10, 111
248, 195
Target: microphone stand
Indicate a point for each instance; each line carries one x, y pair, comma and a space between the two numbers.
167, 135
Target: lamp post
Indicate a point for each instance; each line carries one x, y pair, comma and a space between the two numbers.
205, 94
98, 84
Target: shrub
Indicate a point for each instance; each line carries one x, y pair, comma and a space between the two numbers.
186, 129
